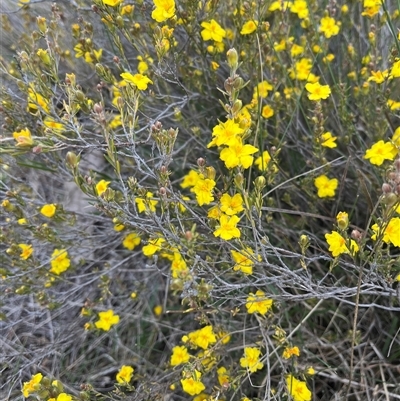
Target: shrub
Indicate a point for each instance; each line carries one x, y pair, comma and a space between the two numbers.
201, 199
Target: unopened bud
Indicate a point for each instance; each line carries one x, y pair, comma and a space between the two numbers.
304, 241
260, 182
342, 220
162, 191
201, 162
238, 83
98, 108
210, 173
356, 235
237, 106
72, 159
397, 164
390, 199
239, 180
41, 23
189, 235
232, 58
80, 96
386, 188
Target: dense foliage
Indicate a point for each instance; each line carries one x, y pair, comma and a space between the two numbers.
201, 200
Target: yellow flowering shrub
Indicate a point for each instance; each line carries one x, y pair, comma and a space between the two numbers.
200, 199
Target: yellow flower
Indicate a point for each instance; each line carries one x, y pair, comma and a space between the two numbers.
251, 359
395, 70
227, 227
225, 133
238, 155
179, 355
244, 260
329, 27
298, 389
158, 310
296, 50
128, 9
164, 10
392, 231
48, 210
58, 127
139, 80
393, 104
279, 5
125, 374
302, 69
131, 241
288, 352
178, 266
267, 111
326, 187
63, 397
44, 56
112, 3
337, 244
327, 140
378, 76
146, 204
212, 31
60, 261
23, 137
32, 386
231, 205
203, 190
223, 376
262, 89
249, 27
203, 337
258, 303
318, 91
154, 245
262, 161
380, 151
192, 385
106, 320
300, 8
191, 178
26, 251
36, 101
142, 65
310, 371
102, 186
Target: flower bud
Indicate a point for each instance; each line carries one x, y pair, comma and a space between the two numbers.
260, 182
98, 108
41, 23
304, 241
390, 199
386, 188
210, 173
239, 180
238, 83
342, 220
356, 235
236, 106
72, 159
232, 58
201, 162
